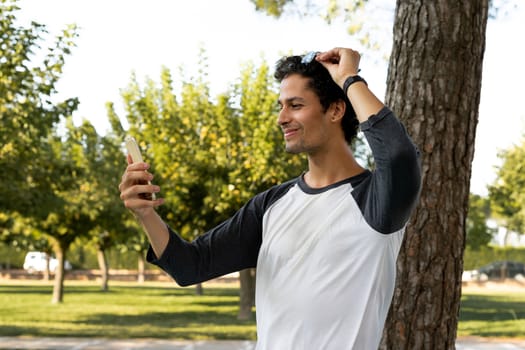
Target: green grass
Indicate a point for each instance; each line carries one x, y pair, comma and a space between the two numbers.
163, 310
493, 314
126, 311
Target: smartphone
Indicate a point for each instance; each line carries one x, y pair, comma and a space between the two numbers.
136, 156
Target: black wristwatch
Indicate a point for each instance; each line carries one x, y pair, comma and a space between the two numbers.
350, 80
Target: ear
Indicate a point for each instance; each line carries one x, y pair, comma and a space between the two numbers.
337, 110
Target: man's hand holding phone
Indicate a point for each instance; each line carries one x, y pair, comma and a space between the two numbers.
136, 189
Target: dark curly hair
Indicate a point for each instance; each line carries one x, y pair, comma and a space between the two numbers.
323, 85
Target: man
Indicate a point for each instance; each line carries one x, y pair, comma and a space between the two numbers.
324, 244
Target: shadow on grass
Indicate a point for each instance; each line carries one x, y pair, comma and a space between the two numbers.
188, 325
179, 319
505, 314
26, 290
132, 312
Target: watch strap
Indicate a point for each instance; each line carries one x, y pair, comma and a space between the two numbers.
350, 80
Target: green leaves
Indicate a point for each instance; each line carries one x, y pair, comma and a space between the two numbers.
478, 233
506, 194
209, 155
26, 114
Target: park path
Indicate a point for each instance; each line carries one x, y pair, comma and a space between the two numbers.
158, 344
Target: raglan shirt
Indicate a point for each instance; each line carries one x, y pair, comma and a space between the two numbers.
325, 257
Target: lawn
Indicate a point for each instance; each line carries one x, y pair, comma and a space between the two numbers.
493, 314
126, 311
163, 310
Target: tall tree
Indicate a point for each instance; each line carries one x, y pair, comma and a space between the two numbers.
71, 202
479, 234
104, 158
28, 75
507, 194
254, 150
434, 83
129, 239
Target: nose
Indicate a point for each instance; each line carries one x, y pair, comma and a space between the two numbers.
284, 117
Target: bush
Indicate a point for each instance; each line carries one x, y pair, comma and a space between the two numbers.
474, 259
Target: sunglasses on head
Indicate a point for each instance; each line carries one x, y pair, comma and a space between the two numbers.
309, 57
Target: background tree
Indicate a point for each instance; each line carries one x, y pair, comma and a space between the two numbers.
28, 75
479, 234
130, 235
253, 152
507, 194
105, 159
71, 201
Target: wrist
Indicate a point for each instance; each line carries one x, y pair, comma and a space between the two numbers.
144, 214
351, 79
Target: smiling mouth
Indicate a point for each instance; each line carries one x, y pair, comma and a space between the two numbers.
289, 133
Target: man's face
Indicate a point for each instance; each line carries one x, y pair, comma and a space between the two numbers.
305, 126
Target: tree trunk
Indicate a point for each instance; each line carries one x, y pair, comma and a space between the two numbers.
141, 268
247, 294
198, 289
104, 269
58, 287
47, 273
434, 86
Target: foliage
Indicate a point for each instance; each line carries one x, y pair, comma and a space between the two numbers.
354, 14
28, 75
474, 259
478, 233
209, 156
273, 8
507, 194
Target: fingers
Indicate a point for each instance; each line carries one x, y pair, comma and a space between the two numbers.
138, 197
136, 203
136, 189
330, 56
136, 166
135, 174
340, 62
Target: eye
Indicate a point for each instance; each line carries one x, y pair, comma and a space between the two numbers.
296, 105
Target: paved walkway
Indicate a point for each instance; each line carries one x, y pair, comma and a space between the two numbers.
157, 344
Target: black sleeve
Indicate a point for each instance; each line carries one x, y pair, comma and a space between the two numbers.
389, 195
231, 246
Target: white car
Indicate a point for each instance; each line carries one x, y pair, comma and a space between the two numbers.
36, 262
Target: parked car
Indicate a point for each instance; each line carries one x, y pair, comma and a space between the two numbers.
500, 269
36, 262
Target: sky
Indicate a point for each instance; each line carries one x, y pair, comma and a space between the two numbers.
121, 37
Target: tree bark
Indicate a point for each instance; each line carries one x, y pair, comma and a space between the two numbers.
141, 268
247, 294
47, 272
434, 86
104, 269
58, 287
199, 290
